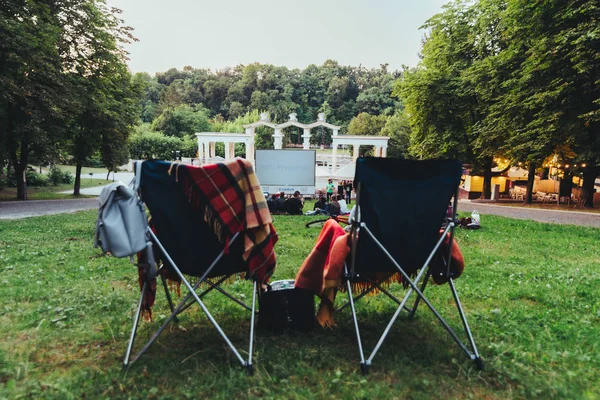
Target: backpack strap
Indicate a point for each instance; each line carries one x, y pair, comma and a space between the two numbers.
135, 182
99, 219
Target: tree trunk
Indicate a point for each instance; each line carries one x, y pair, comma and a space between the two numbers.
590, 173
77, 187
530, 181
486, 192
19, 162
21, 181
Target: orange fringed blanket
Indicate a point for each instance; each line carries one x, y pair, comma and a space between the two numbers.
321, 271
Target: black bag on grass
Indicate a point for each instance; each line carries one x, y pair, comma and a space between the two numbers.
284, 308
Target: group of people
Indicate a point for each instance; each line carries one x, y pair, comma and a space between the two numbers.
279, 204
332, 203
344, 190
336, 206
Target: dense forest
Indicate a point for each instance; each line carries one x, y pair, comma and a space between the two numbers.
177, 103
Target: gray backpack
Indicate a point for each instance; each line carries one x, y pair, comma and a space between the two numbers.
122, 223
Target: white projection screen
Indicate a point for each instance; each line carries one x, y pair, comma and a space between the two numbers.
286, 170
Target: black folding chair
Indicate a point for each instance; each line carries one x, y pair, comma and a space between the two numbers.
186, 244
402, 207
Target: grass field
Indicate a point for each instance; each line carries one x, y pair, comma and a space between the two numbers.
531, 292
50, 192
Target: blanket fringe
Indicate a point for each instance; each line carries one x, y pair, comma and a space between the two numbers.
362, 286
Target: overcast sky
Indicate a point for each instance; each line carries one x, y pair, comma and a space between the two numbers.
224, 33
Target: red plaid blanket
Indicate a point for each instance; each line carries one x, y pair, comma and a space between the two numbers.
233, 202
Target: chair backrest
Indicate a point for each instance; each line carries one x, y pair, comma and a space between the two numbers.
181, 228
403, 203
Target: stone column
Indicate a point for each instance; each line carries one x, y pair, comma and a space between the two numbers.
212, 149
306, 139
334, 157
278, 139
384, 151
202, 152
250, 150
335, 132
227, 151
355, 149
377, 151
232, 150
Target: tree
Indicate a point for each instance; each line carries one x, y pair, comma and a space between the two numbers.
107, 99
32, 93
182, 120
444, 104
367, 125
51, 52
397, 128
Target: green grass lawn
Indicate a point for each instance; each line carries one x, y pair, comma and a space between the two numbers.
51, 192
531, 292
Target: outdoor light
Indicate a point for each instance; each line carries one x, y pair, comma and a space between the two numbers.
583, 165
567, 166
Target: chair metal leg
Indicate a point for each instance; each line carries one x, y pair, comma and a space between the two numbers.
363, 365
168, 294
156, 334
387, 328
195, 295
401, 307
477, 359
421, 295
251, 345
136, 321
413, 311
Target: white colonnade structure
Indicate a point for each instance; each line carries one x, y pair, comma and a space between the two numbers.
379, 142
207, 140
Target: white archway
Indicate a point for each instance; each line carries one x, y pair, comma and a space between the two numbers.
379, 142
207, 140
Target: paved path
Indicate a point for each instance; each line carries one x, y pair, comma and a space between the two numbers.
534, 214
35, 208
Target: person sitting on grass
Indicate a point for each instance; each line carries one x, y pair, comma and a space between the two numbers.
280, 207
334, 206
343, 205
272, 203
320, 206
294, 204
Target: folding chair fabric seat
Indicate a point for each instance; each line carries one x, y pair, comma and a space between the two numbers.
181, 228
207, 222
403, 202
403, 207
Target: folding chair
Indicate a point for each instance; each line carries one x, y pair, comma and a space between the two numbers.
402, 208
183, 235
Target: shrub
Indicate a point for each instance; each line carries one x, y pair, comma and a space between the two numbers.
68, 177
56, 176
35, 179
94, 161
153, 145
